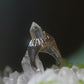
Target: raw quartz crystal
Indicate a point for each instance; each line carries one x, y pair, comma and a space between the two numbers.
63, 76
27, 66
53, 75
28, 71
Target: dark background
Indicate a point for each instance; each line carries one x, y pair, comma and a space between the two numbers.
63, 19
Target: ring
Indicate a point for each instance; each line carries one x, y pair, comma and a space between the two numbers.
42, 42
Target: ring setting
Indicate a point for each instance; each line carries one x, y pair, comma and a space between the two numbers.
42, 42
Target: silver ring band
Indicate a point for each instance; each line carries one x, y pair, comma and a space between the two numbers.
42, 42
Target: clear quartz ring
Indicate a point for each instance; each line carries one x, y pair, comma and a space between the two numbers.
42, 42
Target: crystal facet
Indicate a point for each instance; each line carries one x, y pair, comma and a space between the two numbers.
36, 31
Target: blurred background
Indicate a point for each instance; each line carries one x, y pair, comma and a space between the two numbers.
63, 19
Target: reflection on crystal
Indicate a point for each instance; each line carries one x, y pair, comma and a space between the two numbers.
26, 64
39, 64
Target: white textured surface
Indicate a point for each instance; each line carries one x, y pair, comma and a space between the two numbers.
56, 76
59, 76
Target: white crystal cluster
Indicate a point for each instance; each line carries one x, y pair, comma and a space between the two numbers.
64, 75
